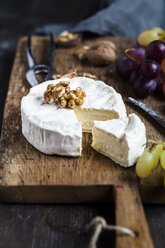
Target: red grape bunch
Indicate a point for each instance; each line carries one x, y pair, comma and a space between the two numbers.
144, 67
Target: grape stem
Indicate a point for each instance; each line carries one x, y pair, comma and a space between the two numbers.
132, 58
152, 147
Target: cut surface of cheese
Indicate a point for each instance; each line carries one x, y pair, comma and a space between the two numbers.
123, 140
55, 130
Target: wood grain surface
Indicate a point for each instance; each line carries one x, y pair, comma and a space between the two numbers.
26, 222
29, 176
22, 165
52, 226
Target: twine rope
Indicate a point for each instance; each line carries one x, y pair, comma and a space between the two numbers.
99, 223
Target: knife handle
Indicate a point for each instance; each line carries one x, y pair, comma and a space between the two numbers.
158, 118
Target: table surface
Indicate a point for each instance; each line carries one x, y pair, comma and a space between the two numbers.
52, 225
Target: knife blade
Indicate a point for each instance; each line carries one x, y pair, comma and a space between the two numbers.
158, 118
31, 77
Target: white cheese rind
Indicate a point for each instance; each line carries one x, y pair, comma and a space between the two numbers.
135, 136
54, 130
130, 134
62, 138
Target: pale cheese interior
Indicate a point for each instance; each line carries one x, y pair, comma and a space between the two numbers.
87, 117
110, 146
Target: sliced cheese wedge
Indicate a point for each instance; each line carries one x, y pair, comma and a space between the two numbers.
123, 140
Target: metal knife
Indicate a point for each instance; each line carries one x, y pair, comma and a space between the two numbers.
158, 118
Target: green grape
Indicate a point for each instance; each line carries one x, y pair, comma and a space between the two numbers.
146, 37
159, 149
160, 30
156, 156
162, 159
146, 163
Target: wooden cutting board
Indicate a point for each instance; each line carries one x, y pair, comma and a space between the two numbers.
28, 176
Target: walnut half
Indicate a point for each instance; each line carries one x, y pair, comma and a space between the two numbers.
89, 75
65, 97
74, 74
67, 75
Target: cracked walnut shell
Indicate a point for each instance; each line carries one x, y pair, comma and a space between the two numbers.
65, 97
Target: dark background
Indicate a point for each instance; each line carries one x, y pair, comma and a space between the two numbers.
52, 225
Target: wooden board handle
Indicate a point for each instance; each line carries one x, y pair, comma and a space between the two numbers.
130, 214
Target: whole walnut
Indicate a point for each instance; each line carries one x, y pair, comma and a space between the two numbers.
102, 52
